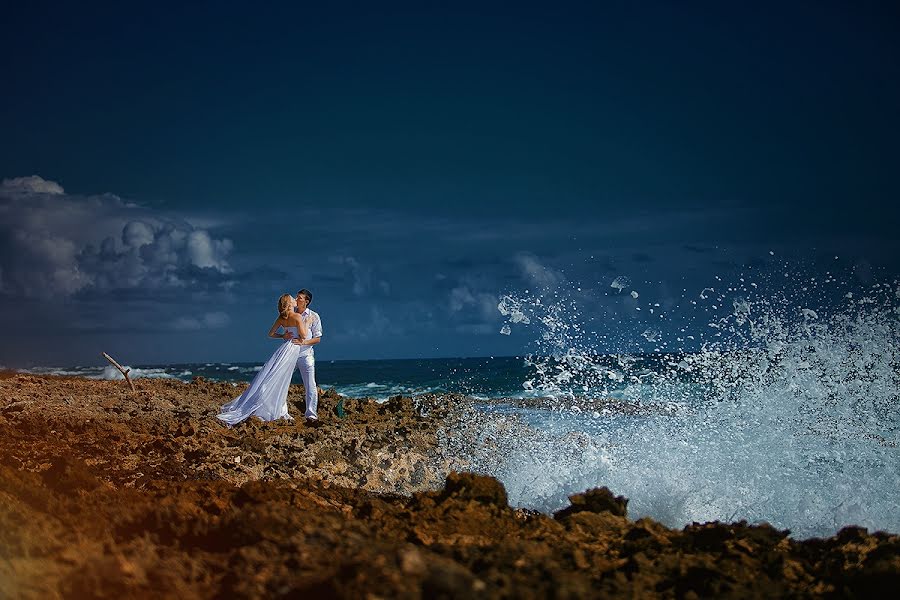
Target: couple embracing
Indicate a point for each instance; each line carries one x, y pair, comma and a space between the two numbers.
266, 397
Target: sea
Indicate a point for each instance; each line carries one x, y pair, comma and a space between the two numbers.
484, 378
756, 399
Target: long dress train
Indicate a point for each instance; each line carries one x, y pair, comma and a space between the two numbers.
266, 397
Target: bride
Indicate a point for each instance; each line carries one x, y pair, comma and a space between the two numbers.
266, 397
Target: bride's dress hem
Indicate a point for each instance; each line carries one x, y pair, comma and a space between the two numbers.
287, 418
266, 397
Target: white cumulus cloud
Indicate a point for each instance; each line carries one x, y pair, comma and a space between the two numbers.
53, 243
31, 185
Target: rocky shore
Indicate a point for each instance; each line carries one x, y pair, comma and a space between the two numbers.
106, 492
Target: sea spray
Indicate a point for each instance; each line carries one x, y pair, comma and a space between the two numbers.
786, 412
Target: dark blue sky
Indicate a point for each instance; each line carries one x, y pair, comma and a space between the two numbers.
410, 163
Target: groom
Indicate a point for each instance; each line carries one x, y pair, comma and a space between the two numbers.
306, 361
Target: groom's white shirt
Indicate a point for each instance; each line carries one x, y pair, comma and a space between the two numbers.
315, 330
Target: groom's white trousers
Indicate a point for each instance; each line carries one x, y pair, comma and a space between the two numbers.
306, 363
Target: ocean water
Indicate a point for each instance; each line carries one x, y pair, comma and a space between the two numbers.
774, 398
484, 378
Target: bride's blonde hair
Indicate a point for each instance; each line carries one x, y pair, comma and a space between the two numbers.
284, 306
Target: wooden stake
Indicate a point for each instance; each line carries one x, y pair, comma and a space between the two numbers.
122, 369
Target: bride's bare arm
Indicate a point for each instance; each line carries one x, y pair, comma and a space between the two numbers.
275, 327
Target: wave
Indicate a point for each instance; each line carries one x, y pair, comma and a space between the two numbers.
381, 392
789, 411
106, 372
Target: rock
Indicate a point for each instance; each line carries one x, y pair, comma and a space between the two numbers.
480, 488
69, 475
14, 407
411, 561
597, 500
708, 536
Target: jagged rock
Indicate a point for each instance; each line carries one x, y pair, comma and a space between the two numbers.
597, 500
480, 488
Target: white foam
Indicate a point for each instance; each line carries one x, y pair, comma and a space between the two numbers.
112, 373
620, 283
511, 307
790, 415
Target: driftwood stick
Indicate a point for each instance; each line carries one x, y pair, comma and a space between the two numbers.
122, 369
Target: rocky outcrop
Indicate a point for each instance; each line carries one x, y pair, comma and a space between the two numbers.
168, 430
104, 493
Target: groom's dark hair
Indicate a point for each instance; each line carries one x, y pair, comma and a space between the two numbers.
306, 293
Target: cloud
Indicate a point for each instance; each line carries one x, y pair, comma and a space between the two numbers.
537, 273
378, 324
213, 320
206, 252
31, 185
53, 243
370, 325
364, 278
471, 308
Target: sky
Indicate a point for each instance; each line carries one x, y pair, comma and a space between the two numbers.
169, 170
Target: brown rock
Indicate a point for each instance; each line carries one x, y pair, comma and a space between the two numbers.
597, 500
480, 488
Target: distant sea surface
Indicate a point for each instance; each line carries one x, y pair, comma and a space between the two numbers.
479, 377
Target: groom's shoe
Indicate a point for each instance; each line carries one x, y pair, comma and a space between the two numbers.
310, 422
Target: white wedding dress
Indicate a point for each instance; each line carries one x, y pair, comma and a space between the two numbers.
266, 397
